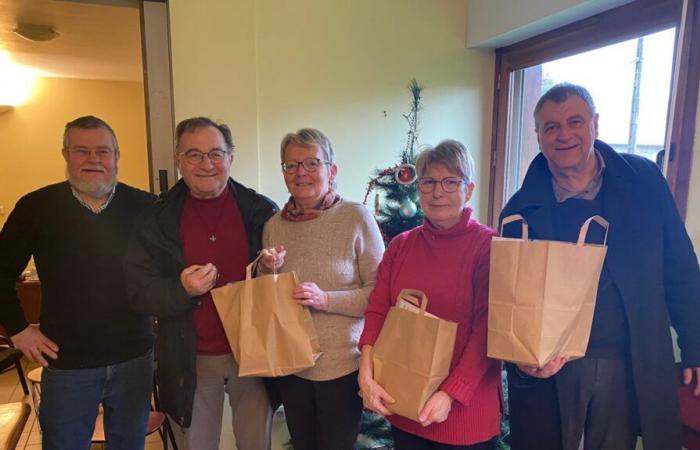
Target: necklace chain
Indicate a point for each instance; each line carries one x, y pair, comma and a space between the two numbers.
212, 230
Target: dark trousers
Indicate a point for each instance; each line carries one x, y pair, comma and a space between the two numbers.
533, 405
602, 405
589, 399
321, 415
408, 441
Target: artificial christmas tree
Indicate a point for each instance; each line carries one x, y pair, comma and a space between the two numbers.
396, 203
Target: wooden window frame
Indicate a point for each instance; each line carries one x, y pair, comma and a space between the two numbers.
635, 19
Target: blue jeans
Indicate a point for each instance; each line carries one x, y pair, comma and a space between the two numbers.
70, 400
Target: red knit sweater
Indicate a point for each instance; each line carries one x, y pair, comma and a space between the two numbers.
452, 268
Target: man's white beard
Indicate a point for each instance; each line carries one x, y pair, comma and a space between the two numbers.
93, 189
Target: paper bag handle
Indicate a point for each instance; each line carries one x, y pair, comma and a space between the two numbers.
584, 229
415, 296
249, 268
513, 218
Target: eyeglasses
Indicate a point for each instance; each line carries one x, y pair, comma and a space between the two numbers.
449, 184
196, 157
309, 164
83, 153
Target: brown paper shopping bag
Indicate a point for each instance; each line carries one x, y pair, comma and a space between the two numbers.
270, 334
542, 295
412, 354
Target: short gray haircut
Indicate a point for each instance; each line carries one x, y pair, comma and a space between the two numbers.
452, 154
88, 123
309, 137
562, 91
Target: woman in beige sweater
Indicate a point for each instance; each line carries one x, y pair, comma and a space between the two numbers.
334, 246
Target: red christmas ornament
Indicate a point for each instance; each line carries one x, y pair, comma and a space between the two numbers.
405, 174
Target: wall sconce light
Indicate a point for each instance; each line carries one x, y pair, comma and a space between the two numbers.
35, 32
5, 108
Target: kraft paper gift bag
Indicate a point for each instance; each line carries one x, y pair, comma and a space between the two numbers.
412, 354
542, 295
270, 334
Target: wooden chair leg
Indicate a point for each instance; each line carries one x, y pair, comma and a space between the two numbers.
22, 380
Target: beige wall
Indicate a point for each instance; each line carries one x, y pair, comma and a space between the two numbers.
268, 67
497, 23
30, 134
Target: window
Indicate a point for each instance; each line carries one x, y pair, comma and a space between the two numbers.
633, 59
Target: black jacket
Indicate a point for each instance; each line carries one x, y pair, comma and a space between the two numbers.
153, 264
652, 262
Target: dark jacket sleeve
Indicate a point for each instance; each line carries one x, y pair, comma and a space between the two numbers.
152, 276
681, 278
15, 251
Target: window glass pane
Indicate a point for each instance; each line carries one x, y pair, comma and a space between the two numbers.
630, 83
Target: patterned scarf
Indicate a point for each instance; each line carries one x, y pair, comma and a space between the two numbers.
297, 214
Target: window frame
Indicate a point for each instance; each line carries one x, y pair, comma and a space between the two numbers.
626, 22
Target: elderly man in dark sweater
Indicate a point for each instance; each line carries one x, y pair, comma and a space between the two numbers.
93, 347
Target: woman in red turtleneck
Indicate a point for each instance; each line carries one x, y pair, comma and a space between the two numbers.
448, 259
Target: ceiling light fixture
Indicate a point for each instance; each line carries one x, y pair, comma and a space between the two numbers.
35, 33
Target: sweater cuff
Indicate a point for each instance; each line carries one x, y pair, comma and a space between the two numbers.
15, 323
367, 338
458, 390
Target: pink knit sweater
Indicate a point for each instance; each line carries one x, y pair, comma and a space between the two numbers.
452, 267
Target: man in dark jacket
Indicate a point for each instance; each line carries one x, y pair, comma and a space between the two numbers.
201, 234
626, 383
93, 347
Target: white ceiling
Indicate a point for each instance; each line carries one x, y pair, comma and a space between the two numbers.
97, 40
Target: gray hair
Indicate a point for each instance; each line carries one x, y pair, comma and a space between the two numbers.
309, 137
562, 91
452, 154
194, 123
88, 123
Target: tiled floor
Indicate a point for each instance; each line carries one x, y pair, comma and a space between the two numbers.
11, 391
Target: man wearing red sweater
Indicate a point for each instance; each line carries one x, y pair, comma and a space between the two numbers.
199, 236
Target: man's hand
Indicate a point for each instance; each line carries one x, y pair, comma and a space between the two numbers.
549, 369
273, 258
32, 342
436, 409
688, 378
198, 280
309, 294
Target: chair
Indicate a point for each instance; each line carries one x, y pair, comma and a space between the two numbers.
11, 357
13, 417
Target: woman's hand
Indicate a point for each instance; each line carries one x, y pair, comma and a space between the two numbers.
436, 409
273, 258
374, 397
309, 294
198, 280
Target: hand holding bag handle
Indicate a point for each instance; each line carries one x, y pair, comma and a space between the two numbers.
513, 218
253, 267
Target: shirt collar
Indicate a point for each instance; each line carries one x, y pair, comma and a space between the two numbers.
561, 194
100, 208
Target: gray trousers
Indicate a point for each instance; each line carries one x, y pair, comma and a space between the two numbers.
598, 405
250, 410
